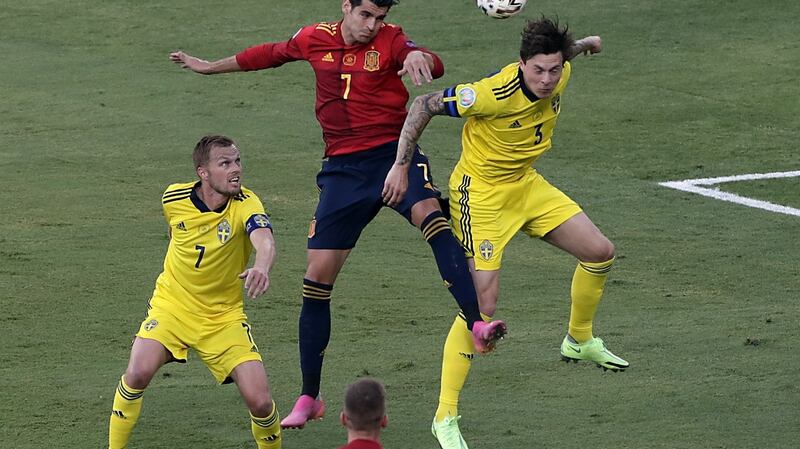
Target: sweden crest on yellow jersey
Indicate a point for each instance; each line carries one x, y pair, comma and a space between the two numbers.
486, 249
507, 126
555, 103
207, 251
150, 325
224, 231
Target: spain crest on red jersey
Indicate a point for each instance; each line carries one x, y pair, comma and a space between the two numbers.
372, 61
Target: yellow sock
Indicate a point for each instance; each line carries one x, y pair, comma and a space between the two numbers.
124, 414
587, 289
459, 350
267, 431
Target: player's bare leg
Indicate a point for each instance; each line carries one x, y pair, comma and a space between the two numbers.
459, 351
251, 379
147, 356
427, 216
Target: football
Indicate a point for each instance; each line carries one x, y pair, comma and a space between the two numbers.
501, 9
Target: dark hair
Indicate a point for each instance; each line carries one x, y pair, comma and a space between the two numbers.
203, 148
544, 36
378, 3
365, 404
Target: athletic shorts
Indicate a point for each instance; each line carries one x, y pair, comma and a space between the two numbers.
486, 216
351, 189
221, 344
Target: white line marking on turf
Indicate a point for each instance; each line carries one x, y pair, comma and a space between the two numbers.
692, 186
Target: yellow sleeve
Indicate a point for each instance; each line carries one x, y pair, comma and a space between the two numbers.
470, 100
251, 211
173, 193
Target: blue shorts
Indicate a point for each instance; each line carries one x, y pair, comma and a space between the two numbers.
350, 194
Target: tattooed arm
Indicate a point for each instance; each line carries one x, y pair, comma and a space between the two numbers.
589, 45
422, 110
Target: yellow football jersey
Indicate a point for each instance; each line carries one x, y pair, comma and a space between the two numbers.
508, 127
208, 249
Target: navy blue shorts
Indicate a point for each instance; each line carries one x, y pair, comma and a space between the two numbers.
350, 194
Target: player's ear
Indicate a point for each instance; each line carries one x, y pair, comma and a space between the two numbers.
346, 6
202, 173
384, 421
343, 418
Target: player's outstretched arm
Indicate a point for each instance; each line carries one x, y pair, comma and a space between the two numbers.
256, 278
589, 45
419, 66
419, 115
204, 67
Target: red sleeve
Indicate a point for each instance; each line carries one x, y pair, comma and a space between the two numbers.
272, 54
402, 46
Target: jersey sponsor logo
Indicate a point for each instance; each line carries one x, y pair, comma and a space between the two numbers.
204, 228
372, 61
224, 231
537, 116
181, 226
467, 356
555, 103
150, 325
328, 57
119, 414
466, 97
349, 59
411, 44
486, 249
515, 124
312, 228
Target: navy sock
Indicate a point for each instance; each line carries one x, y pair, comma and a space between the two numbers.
452, 265
315, 333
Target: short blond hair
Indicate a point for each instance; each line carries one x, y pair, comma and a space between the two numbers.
202, 150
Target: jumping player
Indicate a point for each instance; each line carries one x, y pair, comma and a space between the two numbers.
358, 62
495, 192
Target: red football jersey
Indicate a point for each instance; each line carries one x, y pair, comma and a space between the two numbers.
362, 444
361, 102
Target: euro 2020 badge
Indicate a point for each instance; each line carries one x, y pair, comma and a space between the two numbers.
466, 97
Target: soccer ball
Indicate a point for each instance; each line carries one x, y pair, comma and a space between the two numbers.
501, 9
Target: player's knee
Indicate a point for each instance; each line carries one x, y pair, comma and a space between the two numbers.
260, 405
324, 266
138, 378
601, 251
422, 210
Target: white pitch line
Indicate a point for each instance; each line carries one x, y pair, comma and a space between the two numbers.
691, 185
748, 177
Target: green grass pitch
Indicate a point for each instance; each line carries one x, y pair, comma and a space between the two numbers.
96, 122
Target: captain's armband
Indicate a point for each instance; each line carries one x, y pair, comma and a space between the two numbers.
257, 221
